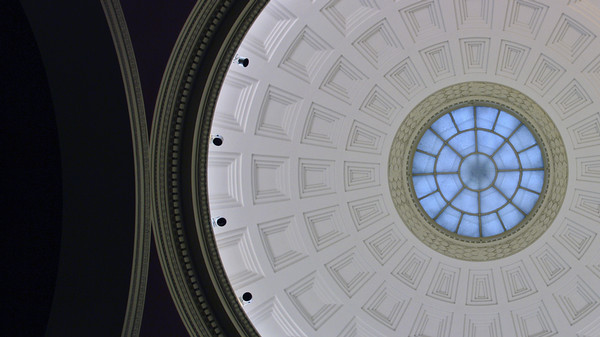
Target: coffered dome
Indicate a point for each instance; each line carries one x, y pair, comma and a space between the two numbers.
311, 187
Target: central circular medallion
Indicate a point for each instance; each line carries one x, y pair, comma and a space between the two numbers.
477, 172
472, 174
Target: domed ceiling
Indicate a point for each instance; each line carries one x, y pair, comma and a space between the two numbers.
302, 175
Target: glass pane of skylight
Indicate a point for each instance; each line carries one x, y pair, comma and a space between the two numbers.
444, 127
449, 185
490, 225
510, 216
506, 124
488, 142
532, 158
449, 219
525, 200
464, 118
522, 139
533, 180
486, 117
464, 143
430, 143
507, 182
469, 226
491, 200
448, 161
423, 163
424, 185
506, 159
433, 204
467, 201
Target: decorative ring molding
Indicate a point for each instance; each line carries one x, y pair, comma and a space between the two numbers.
400, 168
183, 115
141, 152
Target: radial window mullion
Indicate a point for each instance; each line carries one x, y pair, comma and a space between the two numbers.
429, 194
528, 190
501, 222
527, 148
447, 144
475, 127
517, 207
427, 153
454, 122
506, 140
448, 203
479, 213
459, 222
496, 120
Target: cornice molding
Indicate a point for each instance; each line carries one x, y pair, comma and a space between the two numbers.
183, 115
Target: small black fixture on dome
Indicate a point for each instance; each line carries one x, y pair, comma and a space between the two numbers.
241, 61
246, 298
219, 221
217, 140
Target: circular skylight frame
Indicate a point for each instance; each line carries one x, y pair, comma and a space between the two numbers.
400, 169
449, 148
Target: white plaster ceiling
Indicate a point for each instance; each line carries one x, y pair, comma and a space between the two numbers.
301, 177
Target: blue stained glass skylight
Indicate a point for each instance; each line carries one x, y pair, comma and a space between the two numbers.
478, 171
